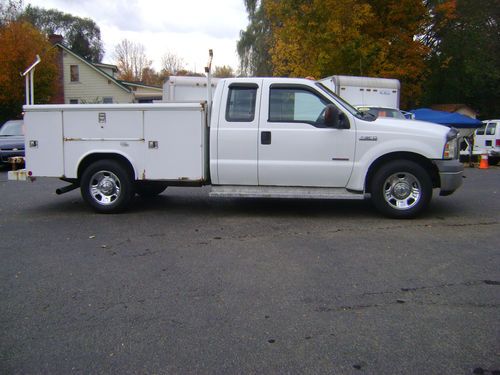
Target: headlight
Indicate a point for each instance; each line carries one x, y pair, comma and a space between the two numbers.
451, 146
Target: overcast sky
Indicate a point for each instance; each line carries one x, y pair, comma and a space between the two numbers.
187, 28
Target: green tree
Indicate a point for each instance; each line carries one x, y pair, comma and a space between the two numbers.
255, 42
10, 10
21, 42
82, 35
464, 63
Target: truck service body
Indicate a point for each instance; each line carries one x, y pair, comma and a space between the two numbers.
260, 137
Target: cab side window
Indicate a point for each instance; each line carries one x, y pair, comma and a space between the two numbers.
296, 105
241, 103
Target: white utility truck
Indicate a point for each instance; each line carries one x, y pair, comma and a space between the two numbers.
365, 91
260, 137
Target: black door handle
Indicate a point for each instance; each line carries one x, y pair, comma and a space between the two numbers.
265, 138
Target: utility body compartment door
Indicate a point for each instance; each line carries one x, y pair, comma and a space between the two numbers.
44, 143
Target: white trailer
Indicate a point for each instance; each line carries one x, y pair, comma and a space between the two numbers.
365, 91
182, 88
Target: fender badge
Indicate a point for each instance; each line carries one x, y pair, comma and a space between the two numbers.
368, 138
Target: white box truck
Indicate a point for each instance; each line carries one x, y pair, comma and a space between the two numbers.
365, 91
266, 137
186, 88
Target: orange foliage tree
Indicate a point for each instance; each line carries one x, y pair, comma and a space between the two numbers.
21, 42
397, 49
316, 37
377, 38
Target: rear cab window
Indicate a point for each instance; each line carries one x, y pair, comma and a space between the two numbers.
241, 103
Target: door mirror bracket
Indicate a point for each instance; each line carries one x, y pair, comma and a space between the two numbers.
334, 118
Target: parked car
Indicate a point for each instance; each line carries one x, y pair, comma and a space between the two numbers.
11, 140
487, 139
383, 112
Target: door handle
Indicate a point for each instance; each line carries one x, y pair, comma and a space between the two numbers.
265, 138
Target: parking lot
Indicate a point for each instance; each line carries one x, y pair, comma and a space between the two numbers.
184, 283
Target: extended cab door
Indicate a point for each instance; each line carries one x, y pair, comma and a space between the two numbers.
295, 147
237, 133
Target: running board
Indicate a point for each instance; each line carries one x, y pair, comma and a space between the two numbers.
283, 192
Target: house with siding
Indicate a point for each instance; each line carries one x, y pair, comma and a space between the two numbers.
83, 82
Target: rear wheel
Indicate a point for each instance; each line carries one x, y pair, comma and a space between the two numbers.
401, 189
106, 186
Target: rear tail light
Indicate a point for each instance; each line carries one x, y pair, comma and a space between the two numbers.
498, 143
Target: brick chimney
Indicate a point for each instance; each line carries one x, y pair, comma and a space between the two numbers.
58, 97
55, 38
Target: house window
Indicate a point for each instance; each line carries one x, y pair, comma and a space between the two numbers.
73, 101
107, 100
74, 73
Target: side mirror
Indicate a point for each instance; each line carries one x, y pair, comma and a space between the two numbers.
334, 118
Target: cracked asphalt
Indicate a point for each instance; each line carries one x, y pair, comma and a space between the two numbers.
187, 284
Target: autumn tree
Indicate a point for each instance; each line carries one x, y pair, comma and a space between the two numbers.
395, 51
317, 37
131, 60
224, 71
21, 42
171, 64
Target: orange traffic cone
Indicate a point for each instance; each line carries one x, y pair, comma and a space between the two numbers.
484, 161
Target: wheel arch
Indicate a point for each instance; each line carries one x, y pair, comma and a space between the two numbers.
427, 164
92, 158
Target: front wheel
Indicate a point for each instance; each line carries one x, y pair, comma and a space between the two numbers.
401, 189
106, 186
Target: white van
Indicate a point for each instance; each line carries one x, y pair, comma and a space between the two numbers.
487, 139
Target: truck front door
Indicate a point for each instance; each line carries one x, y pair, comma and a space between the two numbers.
295, 147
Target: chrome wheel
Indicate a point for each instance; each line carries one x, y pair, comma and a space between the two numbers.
104, 187
402, 191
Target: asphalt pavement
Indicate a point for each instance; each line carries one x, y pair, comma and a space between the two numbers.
187, 284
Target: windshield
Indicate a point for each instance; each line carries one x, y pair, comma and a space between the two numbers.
11, 128
346, 105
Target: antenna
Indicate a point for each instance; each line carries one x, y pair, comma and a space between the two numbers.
208, 70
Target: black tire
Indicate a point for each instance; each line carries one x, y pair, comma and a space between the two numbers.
401, 189
106, 186
493, 160
149, 189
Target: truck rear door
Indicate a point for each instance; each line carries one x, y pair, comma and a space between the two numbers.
237, 133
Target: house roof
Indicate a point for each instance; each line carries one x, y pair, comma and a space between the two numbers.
95, 67
140, 84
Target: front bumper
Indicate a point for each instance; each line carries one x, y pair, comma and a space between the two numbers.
450, 175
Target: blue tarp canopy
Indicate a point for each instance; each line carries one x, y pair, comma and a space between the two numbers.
455, 120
